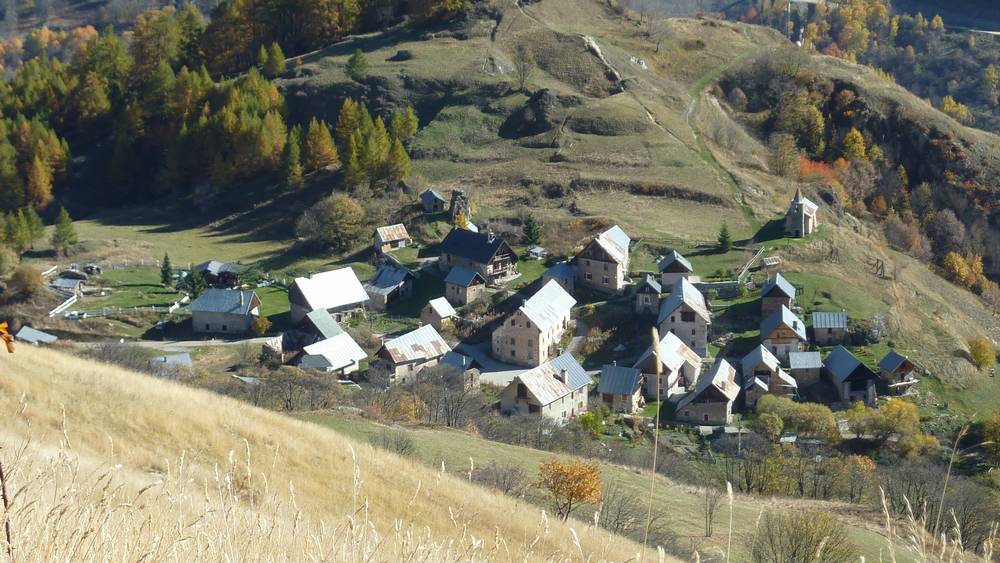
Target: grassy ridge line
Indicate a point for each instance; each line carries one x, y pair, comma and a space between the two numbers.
457, 450
117, 417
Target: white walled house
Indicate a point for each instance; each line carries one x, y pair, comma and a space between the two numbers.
530, 336
685, 313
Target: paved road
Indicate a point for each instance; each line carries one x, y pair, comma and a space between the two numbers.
188, 345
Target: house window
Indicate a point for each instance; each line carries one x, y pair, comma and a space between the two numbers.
512, 342
687, 316
588, 276
208, 326
605, 267
606, 280
687, 413
645, 299
224, 328
513, 354
706, 417
587, 262
534, 409
672, 319
692, 332
522, 391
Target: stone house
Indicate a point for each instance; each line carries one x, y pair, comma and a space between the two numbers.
405, 356
389, 285
390, 238
224, 311
620, 389
777, 292
468, 367
603, 262
805, 367
486, 254
339, 355
782, 332
563, 273
762, 375
531, 335
647, 295
437, 313
829, 329
679, 367
897, 373
557, 389
338, 291
463, 286
673, 268
711, 401
431, 201
800, 219
685, 313
852, 379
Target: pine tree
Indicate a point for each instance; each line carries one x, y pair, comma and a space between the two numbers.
64, 235
274, 64
36, 227
18, 234
532, 230
293, 157
261, 56
320, 151
39, 183
854, 146
347, 123
196, 284
375, 151
91, 98
403, 125
357, 66
398, 163
166, 271
725, 239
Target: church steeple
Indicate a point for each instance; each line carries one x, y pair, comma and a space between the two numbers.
798, 194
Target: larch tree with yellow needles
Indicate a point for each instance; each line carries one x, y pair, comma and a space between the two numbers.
570, 484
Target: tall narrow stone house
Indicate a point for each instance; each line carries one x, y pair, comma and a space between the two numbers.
531, 335
777, 292
782, 333
685, 313
679, 367
603, 263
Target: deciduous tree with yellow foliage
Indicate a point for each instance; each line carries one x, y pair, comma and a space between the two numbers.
570, 484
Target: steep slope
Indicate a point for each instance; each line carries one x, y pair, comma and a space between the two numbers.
153, 469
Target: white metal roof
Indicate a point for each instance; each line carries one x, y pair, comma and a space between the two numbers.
615, 242
674, 353
548, 305
337, 352
420, 344
442, 307
329, 290
722, 376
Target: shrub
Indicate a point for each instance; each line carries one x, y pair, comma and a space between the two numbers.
335, 221
768, 425
506, 478
801, 538
260, 326
982, 351
25, 283
396, 441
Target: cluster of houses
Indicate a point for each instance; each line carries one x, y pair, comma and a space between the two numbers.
678, 369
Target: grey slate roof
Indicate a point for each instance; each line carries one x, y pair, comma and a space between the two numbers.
324, 323
463, 277
456, 360
829, 320
477, 247
649, 281
216, 267
783, 316
841, 364
561, 271
548, 305
674, 257
804, 360
892, 361
34, 336
684, 292
542, 383
757, 356
387, 279
428, 196
782, 284
225, 301
619, 380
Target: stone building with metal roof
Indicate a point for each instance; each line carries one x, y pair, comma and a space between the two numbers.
620, 388
556, 389
531, 335
229, 311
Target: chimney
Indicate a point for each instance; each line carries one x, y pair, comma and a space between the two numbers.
490, 236
241, 299
561, 376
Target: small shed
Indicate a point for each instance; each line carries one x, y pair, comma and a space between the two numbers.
221, 274
805, 367
438, 313
432, 202
339, 354
537, 252
391, 237
466, 365
897, 373
647, 295
390, 284
853, 380
620, 388
829, 329
34, 336
463, 286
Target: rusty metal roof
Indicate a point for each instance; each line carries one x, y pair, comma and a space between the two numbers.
421, 344
543, 384
722, 376
391, 233
673, 354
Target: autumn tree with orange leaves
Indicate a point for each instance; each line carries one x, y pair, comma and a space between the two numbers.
570, 484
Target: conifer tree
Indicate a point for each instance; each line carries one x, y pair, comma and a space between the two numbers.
354, 174
854, 146
18, 234
39, 183
36, 227
532, 230
347, 123
320, 151
293, 157
357, 66
166, 271
403, 125
725, 239
375, 151
64, 235
274, 63
398, 163
195, 282
261, 56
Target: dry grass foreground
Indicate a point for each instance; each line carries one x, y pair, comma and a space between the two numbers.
106, 464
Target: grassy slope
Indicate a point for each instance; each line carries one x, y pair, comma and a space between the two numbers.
455, 450
110, 417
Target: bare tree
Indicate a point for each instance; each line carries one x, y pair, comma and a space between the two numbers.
711, 498
506, 478
524, 65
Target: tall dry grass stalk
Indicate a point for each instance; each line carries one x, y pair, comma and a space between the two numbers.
916, 536
102, 464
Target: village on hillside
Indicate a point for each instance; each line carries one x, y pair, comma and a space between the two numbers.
555, 336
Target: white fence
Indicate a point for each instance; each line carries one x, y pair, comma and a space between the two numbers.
50, 271
63, 306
